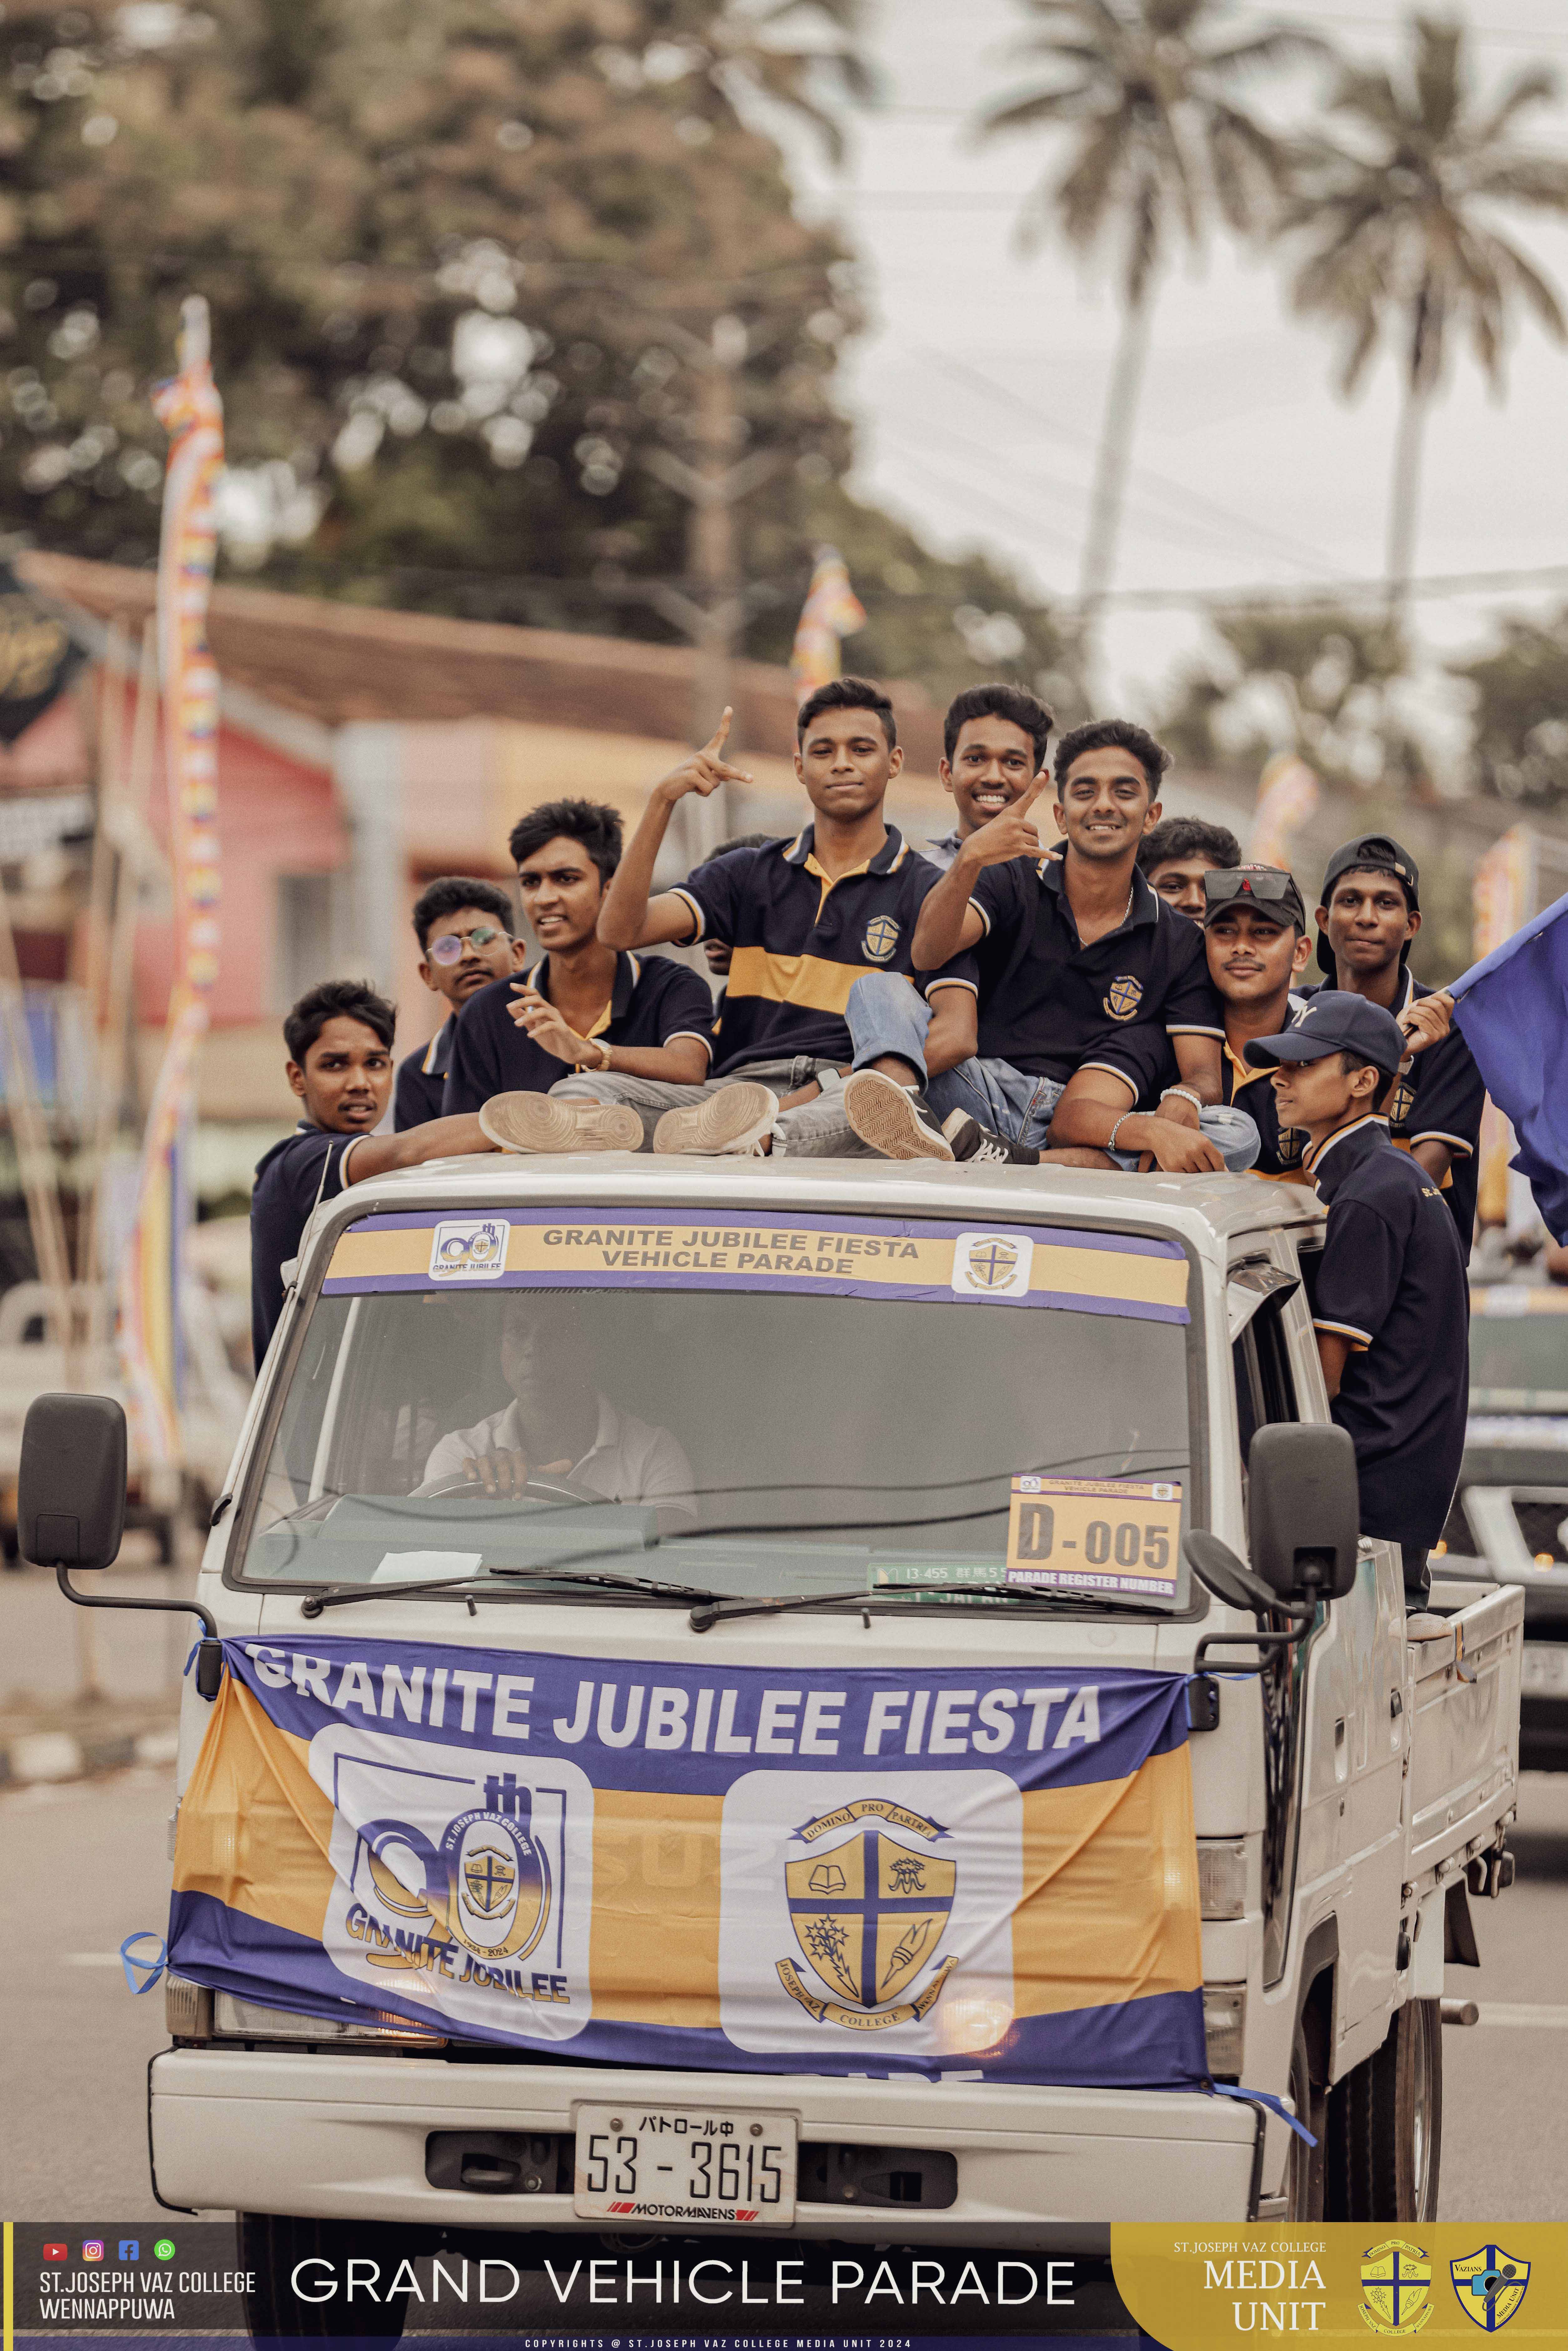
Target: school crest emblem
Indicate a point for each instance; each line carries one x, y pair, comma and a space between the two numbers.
1396, 2288
1124, 995
1491, 2285
882, 937
869, 1912
1401, 1103
1292, 1144
487, 1884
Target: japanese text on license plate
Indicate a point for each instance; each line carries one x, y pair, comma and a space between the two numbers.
684, 2163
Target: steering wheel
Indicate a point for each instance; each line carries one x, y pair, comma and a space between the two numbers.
553, 1489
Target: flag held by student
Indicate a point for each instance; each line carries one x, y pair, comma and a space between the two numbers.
831, 612
1512, 1009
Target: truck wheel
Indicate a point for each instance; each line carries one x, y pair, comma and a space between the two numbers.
1305, 2167
1387, 2123
271, 2244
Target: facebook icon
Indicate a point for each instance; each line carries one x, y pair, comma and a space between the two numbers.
130, 2249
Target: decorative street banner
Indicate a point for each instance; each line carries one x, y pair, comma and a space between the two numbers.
1076, 1271
766, 1869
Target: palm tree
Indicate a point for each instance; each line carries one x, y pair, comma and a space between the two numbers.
1159, 143
1400, 214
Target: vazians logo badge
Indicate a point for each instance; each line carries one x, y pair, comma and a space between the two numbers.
869, 1914
1396, 2288
992, 1265
1491, 2285
881, 936
469, 1250
486, 1886
1124, 995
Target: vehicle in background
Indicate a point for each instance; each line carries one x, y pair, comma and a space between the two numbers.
1511, 1509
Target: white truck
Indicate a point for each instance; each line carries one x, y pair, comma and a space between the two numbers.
833, 1445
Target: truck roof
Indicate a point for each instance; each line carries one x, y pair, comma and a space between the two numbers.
1205, 1209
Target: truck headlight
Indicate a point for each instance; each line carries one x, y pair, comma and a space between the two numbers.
1225, 2028
247, 2020
1222, 1876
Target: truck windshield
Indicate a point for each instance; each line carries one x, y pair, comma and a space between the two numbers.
862, 1405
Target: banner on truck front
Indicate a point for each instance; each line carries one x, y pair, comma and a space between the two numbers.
827, 1870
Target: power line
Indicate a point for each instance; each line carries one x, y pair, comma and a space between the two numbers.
1331, 593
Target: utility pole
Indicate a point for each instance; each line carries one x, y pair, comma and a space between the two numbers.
712, 615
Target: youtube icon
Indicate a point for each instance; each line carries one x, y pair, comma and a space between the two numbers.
57, 2254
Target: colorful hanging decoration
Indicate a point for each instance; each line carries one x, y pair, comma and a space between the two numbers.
1287, 796
831, 612
192, 412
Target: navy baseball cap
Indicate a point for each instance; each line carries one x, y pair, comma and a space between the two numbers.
1374, 853
1335, 1023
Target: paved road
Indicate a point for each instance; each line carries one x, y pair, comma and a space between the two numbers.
84, 1865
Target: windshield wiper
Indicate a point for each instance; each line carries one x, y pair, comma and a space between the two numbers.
344, 1595
712, 1607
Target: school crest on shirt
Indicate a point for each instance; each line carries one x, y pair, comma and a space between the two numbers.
1401, 1103
881, 935
1124, 995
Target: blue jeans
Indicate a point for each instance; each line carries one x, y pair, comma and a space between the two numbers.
887, 1016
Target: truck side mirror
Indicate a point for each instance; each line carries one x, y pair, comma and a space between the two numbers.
1305, 1510
70, 1487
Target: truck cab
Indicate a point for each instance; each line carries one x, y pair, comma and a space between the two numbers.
838, 1427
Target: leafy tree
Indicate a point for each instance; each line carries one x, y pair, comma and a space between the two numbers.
466, 267
1520, 713
1401, 211
1328, 685
1143, 93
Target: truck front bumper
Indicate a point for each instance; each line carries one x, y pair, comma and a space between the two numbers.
344, 2138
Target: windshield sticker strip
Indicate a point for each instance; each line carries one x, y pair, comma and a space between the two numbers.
1019, 1265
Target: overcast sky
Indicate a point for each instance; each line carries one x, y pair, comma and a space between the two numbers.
978, 390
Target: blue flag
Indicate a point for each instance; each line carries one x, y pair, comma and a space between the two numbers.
1512, 1009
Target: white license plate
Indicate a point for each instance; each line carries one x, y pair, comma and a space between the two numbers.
684, 2163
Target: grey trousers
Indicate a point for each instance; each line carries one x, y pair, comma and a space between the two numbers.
814, 1130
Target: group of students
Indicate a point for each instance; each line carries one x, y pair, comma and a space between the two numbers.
1121, 991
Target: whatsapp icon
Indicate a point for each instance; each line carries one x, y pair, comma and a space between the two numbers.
164, 2251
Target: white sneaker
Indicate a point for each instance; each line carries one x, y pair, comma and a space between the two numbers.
543, 1123
735, 1122
889, 1119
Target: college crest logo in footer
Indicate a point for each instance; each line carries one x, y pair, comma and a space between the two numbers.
1491, 2285
1396, 2288
869, 1914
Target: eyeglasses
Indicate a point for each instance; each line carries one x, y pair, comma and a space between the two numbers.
452, 946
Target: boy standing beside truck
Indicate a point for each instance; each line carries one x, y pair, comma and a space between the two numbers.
1391, 1304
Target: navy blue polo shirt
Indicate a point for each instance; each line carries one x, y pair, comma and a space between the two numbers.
421, 1079
305, 1166
1049, 1005
1439, 1100
653, 999
801, 940
1392, 1281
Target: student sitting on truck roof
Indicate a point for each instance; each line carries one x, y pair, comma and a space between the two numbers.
583, 1006
1391, 1304
805, 918
339, 1063
559, 1426
1078, 961
464, 934
716, 953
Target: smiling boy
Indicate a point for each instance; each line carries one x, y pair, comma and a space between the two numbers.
994, 740
583, 1006
1391, 1305
464, 934
340, 1064
1255, 933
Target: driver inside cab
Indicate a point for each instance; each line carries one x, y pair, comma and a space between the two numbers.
559, 1428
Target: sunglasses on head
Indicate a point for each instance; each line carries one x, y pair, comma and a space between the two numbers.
452, 946
1225, 884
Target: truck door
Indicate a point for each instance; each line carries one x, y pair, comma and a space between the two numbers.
1355, 1743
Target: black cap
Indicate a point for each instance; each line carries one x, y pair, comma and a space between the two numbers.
1334, 1022
1376, 853
1268, 887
